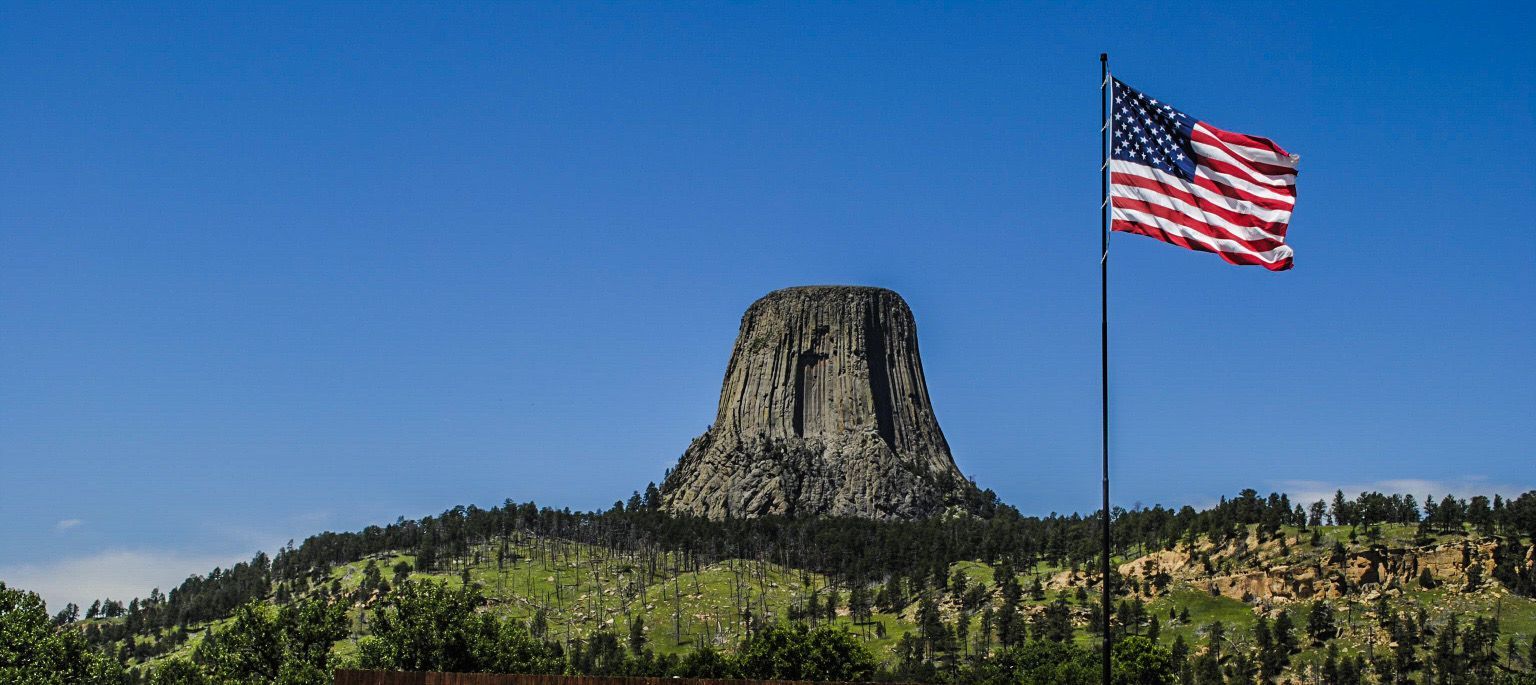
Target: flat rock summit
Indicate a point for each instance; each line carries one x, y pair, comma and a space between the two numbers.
824, 411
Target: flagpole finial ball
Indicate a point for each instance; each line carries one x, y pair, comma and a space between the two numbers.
1103, 57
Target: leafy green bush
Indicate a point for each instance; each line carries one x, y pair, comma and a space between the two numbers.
265, 645
795, 652
426, 626
33, 651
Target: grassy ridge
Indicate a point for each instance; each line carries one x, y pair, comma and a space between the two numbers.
583, 589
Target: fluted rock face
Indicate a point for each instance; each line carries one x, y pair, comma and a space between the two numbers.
824, 411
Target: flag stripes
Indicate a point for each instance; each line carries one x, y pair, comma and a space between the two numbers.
1188, 183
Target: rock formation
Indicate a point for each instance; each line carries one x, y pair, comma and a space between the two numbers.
824, 411
1263, 575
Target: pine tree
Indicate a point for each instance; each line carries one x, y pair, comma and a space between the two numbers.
1350, 671
962, 631
1215, 633
1285, 632
637, 637
930, 626
858, 603
1054, 624
538, 626
1010, 626
1126, 617
895, 596
957, 585
69, 614
1264, 639
1474, 577
1320, 624
985, 637
1340, 511
1242, 669
1444, 657
1315, 513
1207, 669
1480, 514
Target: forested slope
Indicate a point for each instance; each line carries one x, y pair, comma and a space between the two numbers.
1370, 589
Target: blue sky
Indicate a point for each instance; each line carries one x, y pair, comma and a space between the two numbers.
267, 270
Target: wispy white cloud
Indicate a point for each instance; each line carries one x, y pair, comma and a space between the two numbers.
127, 573
118, 574
1303, 491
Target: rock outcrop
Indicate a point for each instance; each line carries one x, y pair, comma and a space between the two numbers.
1268, 575
824, 411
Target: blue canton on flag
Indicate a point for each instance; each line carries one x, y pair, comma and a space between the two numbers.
1185, 182
1152, 132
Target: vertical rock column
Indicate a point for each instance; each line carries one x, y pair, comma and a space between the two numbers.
824, 411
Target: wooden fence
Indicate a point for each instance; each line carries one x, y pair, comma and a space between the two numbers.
344, 677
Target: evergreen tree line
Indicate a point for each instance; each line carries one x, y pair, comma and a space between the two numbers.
430, 626
436, 626
853, 551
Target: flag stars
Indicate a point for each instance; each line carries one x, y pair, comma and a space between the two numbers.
1147, 131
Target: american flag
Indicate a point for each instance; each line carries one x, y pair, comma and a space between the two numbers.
1186, 182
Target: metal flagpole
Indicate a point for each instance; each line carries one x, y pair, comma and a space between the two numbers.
1104, 133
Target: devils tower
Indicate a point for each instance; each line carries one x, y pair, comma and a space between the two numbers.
824, 411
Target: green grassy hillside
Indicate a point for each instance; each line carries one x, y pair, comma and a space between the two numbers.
581, 589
